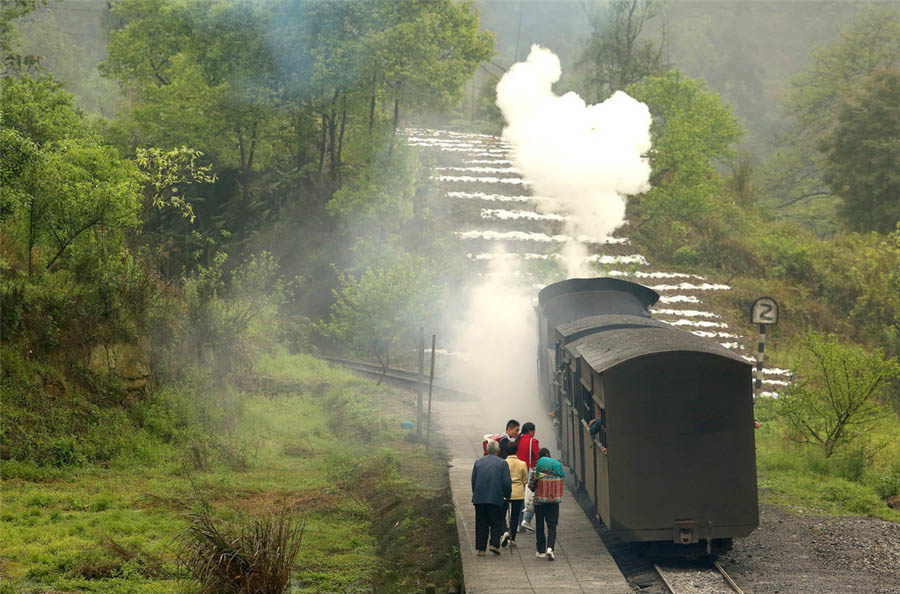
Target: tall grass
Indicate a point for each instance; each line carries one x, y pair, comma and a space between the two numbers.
246, 559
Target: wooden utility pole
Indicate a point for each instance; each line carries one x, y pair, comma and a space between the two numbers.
421, 382
430, 386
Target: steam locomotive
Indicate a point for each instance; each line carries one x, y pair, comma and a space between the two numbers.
672, 463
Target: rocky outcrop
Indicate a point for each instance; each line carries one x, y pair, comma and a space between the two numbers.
129, 361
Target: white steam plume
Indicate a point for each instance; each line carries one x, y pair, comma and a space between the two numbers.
497, 330
586, 158
583, 160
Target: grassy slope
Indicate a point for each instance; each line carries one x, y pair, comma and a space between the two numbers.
853, 482
798, 478
318, 440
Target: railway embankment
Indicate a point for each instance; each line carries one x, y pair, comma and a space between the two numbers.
298, 436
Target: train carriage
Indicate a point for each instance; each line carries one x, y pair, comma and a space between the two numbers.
674, 458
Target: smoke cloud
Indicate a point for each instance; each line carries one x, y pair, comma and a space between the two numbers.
583, 160
586, 159
497, 330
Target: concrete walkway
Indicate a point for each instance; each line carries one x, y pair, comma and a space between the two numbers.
582, 561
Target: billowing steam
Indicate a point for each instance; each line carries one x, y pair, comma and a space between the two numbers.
585, 158
498, 332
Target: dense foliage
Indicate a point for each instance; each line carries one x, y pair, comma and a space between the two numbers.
287, 99
254, 194
153, 262
247, 128
796, 174
863, 154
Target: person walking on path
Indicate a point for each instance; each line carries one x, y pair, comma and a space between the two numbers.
512, 431
527, 452
491, 488
547, 497
518, 472
506, 438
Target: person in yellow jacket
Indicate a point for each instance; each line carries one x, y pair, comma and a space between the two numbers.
518, 472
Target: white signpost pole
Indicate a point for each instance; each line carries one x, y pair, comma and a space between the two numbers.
764, 313
760, 357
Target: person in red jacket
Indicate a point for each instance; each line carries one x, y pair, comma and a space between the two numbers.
528, 453
528, 446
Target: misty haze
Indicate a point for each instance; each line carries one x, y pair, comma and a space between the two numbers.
449, 296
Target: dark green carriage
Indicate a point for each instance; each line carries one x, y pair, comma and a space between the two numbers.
674, 460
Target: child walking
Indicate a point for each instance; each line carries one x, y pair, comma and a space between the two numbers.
518, 472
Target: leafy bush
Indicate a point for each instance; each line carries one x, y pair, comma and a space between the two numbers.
833, 397
886, 484
223, 321
791, 257
383, 307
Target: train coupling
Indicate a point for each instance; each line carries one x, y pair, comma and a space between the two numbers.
685, 532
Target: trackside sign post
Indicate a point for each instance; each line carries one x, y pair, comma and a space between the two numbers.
765, 313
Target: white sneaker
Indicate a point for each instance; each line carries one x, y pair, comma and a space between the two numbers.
527, 526
550, 556
504, 540
541, 555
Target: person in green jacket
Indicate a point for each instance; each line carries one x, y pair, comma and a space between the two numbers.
547, 497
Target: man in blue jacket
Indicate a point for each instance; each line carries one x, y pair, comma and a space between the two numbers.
491, 488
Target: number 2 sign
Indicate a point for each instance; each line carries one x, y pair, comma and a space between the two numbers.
765, 311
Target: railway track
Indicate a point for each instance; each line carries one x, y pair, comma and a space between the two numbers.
696, 579
402, 376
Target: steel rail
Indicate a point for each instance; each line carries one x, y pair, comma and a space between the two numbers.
717, 566
402, 375
398, 374
727, 577
663, 578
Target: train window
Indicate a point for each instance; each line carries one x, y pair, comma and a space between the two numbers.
585, 408
601, 435
576, 388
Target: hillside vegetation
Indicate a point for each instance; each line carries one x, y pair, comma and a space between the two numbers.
298, 440
170, 270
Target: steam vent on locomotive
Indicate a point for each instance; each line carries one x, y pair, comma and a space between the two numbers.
673, 464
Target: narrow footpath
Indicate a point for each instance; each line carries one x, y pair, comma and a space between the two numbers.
582, 562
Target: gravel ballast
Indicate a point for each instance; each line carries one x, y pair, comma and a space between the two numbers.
800, 554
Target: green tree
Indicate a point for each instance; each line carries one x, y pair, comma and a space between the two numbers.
692, 133
383, 307
869, 44
272, 93
69, 206
618, 53
13, 61
141, 52
201, 74
833, 398
424, 52
863, 154
62, 186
